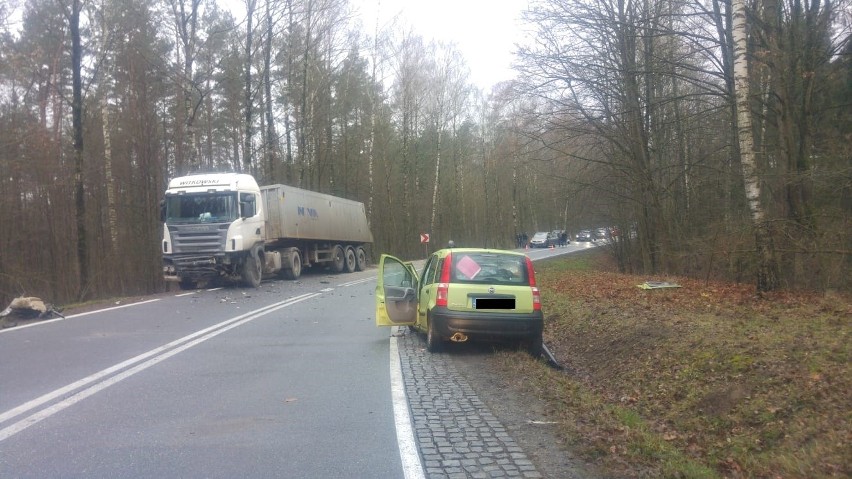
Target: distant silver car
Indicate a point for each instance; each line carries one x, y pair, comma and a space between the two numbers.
540, 240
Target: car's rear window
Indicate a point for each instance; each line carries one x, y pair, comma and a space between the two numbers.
489, 268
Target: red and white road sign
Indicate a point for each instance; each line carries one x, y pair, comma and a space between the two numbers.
424, 237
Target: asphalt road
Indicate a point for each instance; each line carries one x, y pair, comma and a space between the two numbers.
290, 380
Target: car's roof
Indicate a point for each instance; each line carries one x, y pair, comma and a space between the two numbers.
443, 252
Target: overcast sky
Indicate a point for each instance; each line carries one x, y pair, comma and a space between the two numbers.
484, 30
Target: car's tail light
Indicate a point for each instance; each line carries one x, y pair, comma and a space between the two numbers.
535, 291
536, 299
443, 291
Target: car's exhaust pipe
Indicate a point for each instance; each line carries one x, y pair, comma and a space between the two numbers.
458, 338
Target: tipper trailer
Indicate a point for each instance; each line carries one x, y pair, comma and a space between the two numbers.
224, 226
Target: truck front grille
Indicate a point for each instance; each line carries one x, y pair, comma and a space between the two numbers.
198, 238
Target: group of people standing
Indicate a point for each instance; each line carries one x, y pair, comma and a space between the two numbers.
522, 239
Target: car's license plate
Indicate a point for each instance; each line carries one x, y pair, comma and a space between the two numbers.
494, 303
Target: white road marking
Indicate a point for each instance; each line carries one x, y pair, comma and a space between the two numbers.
156, 355
408, 452
357, 281
128, 305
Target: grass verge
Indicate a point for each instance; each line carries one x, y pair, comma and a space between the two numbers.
706, 380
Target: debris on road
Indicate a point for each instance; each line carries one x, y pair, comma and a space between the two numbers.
657, 285
27, 307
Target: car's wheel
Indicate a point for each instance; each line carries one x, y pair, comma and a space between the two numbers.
433, 339
296, 270
361, 262
351, 260
338, 260
251, 272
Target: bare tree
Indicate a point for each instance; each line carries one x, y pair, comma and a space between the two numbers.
249, 94
77, 126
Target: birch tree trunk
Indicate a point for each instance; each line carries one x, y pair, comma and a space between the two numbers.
767, 275
112, 216
437, 178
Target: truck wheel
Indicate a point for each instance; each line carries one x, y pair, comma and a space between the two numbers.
251, 271
296, 271
186, 284
351, 261
338, 261
360, 259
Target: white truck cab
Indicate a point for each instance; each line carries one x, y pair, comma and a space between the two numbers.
213, 225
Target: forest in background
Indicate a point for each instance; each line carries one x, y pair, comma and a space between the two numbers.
626, 113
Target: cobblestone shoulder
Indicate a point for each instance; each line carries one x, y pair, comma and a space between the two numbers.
458, 433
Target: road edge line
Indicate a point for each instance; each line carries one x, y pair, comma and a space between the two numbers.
409, 453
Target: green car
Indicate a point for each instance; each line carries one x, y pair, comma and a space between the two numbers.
462, 294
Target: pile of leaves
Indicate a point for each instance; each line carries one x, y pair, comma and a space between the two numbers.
704, 380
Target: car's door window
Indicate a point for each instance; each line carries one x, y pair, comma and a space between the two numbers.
427, 285
429, 272
398, 286
395, 275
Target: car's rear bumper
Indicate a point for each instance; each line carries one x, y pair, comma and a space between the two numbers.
487, 325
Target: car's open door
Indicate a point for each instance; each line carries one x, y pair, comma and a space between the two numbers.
396, 293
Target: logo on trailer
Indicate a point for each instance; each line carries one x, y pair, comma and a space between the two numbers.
309, 212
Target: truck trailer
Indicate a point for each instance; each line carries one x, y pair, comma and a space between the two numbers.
223, 226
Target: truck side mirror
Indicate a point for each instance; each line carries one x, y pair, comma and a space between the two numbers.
247, 206
162, 211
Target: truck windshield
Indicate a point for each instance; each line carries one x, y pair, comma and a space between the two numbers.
201, 208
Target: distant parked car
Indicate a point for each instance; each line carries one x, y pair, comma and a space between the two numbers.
601, 233
584, 235
553, 238
540, 240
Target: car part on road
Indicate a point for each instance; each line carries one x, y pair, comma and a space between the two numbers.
551, 359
